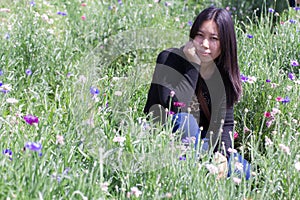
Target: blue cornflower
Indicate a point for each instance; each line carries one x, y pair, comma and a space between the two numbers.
8, 153
61, 13
1, 83
34, 146
249, 36
94, 91
297, 8
268, 80
285, 100
292, 21
190, 23
271, 10
28, 72
291, 76
6, 36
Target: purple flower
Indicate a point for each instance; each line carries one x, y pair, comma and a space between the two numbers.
244, 78
271, 10
34, 146
285, 100
268, 80
8, 153
190, 23
291, 76
292, 21
28, 72
1, 72
249, 36
120, 2
171, 113
182, 158
94, 91
32, 3
294, 63
297, 8
66, 171
61, 13
1, 83
30, 119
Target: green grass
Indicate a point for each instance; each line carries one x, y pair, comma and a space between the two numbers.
115, 50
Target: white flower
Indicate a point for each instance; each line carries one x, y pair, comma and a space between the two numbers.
289, 88
239, 166
212, 168
118, 93
12, 100
297, 166
135, 191
251, 79
5, 88
104, 186
230, 150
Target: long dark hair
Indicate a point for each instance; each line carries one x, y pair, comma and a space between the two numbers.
227, 61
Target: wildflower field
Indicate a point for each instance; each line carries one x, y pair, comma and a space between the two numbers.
74, 77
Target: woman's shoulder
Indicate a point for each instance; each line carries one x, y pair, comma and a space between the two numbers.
170, 53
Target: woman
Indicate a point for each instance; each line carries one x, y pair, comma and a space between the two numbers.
200, 82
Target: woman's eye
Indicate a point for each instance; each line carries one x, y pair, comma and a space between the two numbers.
215, 38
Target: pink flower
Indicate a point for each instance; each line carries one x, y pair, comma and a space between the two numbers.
267, 114
172, 93
269, 122
285, 149
83, 4
279, 98
268, 141
83, 17
179, 104
119, 139
235, 135
60, 139
236, 180
30, 119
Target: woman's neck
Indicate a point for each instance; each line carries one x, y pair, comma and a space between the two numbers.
207, 69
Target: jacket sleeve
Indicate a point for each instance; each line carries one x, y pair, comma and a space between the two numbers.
226, 137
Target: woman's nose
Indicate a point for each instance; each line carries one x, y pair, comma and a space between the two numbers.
205, 43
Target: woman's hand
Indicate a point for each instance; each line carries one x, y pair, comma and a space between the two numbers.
190, 52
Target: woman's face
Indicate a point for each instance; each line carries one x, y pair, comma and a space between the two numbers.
207, 42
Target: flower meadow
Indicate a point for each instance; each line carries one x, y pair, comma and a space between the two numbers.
74, 77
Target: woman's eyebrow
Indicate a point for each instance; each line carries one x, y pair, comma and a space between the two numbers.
213, 34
